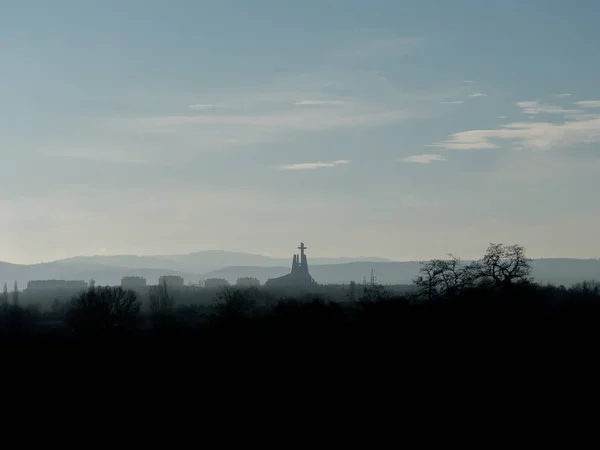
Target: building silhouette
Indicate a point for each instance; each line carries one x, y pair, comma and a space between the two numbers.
299, 275
213, 283
171, 281
133, 283
247, 282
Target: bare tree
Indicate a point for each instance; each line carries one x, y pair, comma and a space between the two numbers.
505, 265
233, 302
161, 301
15, 294
428, 281
374, 292
586, 287
103, 309
5, 295
352, 291
57, 306
501, 266
445, 277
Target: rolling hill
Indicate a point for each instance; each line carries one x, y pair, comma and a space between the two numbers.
204, 261
196, 267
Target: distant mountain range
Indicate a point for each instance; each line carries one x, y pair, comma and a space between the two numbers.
204, 261
193, 267
554, 270
198, 266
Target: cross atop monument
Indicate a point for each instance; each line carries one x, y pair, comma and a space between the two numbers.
302, 248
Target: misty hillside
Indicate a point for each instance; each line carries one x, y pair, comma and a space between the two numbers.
204, 261
557, 271
102, 274
566, 271
386, 273
139, 262
109, 269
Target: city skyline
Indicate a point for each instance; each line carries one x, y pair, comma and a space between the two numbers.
404, 130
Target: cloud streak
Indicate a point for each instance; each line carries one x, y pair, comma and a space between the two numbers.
478, 94
535, 107
589, 104
527, 135
319, 102
291, 106
314, 165
423, 159
309, 120
200, 107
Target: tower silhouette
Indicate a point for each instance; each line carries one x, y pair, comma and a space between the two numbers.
303, 260
299, 275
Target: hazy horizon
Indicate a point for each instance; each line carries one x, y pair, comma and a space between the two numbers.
402, 130
285, 258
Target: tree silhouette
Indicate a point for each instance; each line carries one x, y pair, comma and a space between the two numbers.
352, 291
57, 306
5, 295
501, 267
504, 265
162, 307
161, 301
15, 294
440, 278
374, 292
100, 310
234, 304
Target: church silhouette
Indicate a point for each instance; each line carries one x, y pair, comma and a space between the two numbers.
299, 276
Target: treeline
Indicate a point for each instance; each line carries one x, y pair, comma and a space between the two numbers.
493, 298
52, 300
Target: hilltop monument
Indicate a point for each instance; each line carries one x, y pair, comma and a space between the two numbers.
298, 277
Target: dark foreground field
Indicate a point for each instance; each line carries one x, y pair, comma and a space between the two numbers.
524, 317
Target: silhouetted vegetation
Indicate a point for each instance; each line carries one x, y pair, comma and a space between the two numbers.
101, 311
500, 268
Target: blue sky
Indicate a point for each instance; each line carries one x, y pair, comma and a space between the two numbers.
403, 129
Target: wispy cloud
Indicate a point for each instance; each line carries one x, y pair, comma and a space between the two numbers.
319, 102
329, 97
314, 165
589, 103
478, 94
582, 116
501, 117
562, 95
203, 106
289, 107
535, 107
527, 135
468, 81
455, 102
423, 159
307, 120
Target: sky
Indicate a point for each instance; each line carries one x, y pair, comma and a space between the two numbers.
403, 129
